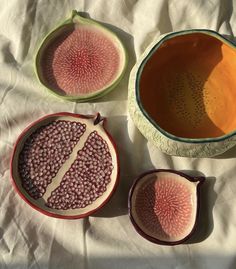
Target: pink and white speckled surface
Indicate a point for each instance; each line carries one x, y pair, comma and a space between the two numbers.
81, 61
164, 206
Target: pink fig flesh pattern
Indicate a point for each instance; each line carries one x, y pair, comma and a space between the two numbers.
44, 152
164, 208
87, 178
82, 61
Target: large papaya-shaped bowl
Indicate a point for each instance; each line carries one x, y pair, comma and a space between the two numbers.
182, 93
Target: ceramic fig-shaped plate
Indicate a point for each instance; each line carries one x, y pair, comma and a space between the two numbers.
164, 206
65, 165
80, 60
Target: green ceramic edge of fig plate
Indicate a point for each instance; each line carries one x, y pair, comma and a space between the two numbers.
76, 17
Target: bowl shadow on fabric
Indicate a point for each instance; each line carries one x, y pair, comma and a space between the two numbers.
131, 155
177, 259
204, 222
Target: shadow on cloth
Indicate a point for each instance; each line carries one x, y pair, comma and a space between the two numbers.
137, 150
204, 221
177, 259
128, 152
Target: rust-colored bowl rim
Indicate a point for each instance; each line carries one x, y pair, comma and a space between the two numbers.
51, 214
138, 229
138, 78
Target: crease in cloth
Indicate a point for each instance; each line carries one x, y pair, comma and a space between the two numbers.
30, 15
86, 226
31, 248
133, 243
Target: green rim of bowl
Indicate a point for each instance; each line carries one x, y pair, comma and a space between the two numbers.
138, 77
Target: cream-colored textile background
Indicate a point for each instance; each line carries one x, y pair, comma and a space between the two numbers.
29, 239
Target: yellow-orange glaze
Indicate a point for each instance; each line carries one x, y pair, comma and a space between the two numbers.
188, 86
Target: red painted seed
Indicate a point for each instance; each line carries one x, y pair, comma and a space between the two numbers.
43, 154
88, 177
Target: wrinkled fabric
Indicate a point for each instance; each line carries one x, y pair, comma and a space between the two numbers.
29, 239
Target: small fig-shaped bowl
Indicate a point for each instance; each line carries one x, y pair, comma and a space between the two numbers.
164, 206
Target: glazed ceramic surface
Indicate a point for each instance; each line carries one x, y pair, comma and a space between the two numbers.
74, 152
164, 205
182, 93
80, 60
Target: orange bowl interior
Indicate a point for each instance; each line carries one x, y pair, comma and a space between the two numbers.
188, 86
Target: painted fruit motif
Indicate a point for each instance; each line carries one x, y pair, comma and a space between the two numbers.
81, 59
65, 165
181, 90
163, 206
44, 152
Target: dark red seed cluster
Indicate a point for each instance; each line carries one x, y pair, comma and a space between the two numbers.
44, 152
87, 178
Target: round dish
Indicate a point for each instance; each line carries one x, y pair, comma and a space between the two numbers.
182, 93
65, 165
164, 206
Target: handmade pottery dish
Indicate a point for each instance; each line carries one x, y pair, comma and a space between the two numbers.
65, 165
182, 93
164, 206
80, 60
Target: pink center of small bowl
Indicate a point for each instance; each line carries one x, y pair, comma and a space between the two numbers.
164, 207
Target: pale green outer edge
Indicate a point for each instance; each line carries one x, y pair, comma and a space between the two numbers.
88, 97
164, 143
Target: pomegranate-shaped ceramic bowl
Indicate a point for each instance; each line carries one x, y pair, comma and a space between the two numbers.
182, 93
65, 165
164, 206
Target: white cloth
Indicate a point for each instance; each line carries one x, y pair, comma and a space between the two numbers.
29, 239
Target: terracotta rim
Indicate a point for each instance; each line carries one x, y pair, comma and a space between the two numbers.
201, 179
138, 77
50, 214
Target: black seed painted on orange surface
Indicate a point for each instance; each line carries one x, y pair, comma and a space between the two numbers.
191, 85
